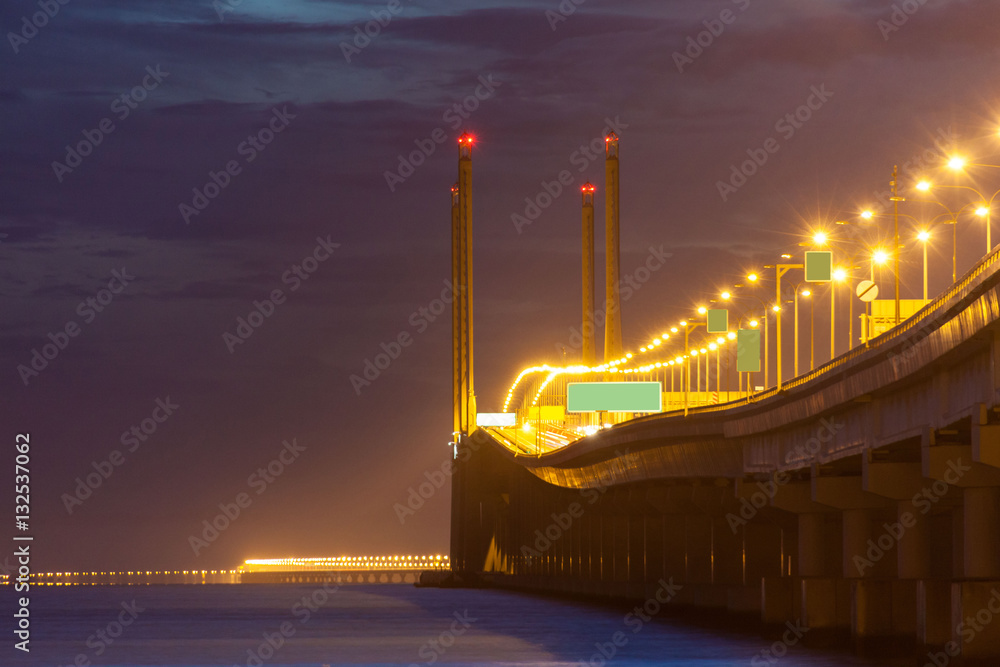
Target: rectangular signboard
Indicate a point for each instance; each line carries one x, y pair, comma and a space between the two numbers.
547, 413
819, 266
614, 397
718, 320
496, 419
748, 351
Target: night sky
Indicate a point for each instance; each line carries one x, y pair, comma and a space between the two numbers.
248, 157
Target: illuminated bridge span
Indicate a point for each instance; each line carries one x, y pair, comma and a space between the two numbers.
341, 569
862, 497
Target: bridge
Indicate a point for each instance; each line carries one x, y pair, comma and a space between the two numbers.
372, 569
862, 496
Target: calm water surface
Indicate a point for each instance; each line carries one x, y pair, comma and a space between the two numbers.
369, 625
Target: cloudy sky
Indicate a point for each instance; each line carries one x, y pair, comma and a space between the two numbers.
204, 150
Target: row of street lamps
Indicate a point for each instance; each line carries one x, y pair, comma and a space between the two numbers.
876, 255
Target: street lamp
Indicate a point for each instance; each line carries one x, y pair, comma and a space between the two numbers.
805, 293
689, 353
983, 211
780, 270
839, 275
753, 279
895, 199
925, 186
924, 236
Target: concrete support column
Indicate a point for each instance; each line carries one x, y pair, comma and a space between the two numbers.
913, 556
586, 545
819, 545
824, 596
698, 537
762, 552
869, 544
727, 553
607, 548
620, 524
637, 549
675, 547
654, 536
981, 507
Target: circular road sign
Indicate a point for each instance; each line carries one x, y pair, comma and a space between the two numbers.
867, 290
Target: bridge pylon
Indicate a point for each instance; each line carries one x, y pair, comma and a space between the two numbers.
589, 326
461, 272
612, 252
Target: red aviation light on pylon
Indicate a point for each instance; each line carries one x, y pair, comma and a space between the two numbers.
466, 138
587, 187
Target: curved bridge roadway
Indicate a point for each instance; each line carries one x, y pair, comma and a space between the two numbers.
863, 496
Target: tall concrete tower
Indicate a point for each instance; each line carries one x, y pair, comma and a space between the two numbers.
589, 330
612, 252
457, 346
463, 287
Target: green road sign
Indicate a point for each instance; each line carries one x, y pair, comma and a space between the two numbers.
614, 397
718, 320
748, 351
819, 266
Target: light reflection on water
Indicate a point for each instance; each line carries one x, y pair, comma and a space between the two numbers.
365, 624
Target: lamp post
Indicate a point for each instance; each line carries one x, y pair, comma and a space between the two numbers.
754, 323
753, 279
959, 164
924, 236
895, 199
952, 219
812, 334
779, 270
688, 328
805, 293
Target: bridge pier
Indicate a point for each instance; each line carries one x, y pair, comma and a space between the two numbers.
981, 518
